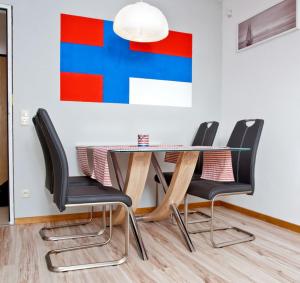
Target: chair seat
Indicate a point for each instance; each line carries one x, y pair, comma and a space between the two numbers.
81, 180
168, 177
93, 194
209, 189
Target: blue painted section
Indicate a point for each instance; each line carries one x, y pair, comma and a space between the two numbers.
117, 63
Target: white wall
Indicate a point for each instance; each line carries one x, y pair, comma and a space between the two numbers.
2, 32
260, 82
36, 32
264, 82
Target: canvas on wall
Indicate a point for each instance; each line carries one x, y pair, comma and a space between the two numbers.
96, 65
270, 23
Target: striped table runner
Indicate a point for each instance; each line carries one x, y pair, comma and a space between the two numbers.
83, 161
217, 165
93, 161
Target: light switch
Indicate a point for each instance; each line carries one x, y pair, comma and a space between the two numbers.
25, 117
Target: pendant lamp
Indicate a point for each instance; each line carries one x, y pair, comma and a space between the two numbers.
141, 22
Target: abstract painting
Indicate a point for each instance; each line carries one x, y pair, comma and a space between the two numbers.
96, 65
272, 22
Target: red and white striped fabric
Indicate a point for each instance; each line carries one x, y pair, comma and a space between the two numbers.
100, 162
217, 166
82, 157
172, 156
93, 161
97, 159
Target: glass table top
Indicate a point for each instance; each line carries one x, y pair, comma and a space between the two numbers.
202, 149
164, 148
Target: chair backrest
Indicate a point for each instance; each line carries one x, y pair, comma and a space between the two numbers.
205, 136
206, 133
246, 133
46, 153
58, 158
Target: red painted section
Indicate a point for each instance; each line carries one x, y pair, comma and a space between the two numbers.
81, 87
176, 44
82, 30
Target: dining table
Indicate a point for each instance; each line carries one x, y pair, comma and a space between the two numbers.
94, 162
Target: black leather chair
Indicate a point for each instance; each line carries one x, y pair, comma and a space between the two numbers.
75, 180
65, 195
204, 137
246, 134
49, 181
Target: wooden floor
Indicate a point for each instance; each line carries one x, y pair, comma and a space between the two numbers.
273, 257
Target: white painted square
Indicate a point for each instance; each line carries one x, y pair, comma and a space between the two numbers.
160, 92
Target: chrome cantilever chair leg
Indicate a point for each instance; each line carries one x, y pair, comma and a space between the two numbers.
119, 261
186, 212
76, 236
212, 229
182, 213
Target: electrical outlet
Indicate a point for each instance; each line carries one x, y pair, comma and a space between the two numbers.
25, 118
26, 194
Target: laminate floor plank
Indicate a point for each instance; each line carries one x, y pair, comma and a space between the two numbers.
273, 257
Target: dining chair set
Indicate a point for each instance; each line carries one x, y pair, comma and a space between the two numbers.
246, 134
83, 191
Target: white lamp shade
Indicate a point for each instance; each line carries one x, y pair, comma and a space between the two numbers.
141, 22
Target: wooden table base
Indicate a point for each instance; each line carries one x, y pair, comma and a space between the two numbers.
138, 168
175, 193
137, 172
